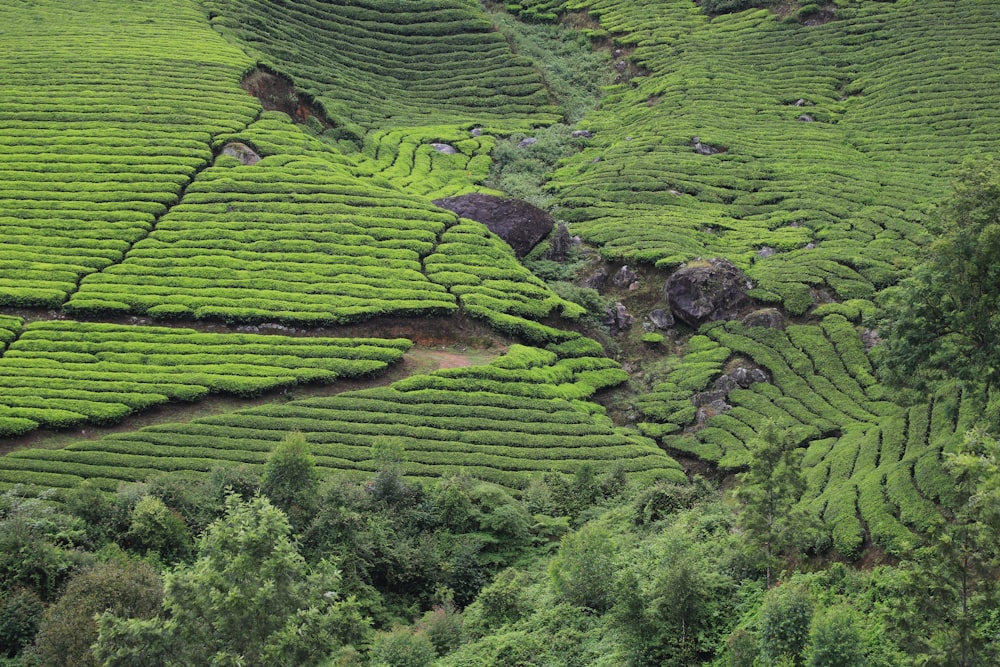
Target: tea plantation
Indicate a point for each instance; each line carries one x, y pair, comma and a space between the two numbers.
235, 198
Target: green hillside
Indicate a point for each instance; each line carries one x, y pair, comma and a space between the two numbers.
216, 213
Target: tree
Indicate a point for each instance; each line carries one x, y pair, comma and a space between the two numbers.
249, 599
952, 587
68, 628
944, 320
836, 640
785, 618
583, 571
770, 491
291, 481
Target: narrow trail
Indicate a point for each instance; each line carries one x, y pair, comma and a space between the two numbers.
418, 360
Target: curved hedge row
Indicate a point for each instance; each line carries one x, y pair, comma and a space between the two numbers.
504, 421
106, 114
62, 373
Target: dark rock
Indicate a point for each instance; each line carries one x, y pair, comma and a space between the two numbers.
719, 406
524, 143
241, 152
803, 103
758, 375
714, 290
704, 398
806, 118
624, 277
769, 318
741, 375
726, 383
766, 252
517, 222
559, 244
477, 131
447, 149
661, 318
870, 338
582, 134
621, 66
810, 246
598, 280
618, 318
705, 149
617, 53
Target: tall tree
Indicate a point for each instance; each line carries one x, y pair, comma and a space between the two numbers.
953, 579
770, 491
249, 599
944, 320
291, 481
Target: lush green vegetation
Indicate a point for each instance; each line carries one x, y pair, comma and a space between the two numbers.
62, 374
525, 413
499, 514
106, 115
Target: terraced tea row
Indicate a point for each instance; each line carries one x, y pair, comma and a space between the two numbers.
106, 114
63, 374
378, 64
804, 154
524, 414
872, 467
291, 238
494, 286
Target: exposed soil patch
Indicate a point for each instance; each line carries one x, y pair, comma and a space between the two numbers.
276, 92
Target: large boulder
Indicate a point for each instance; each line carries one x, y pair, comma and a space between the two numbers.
241, 152
517, 222
707, 291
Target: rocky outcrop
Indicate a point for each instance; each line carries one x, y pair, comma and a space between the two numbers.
446, 149
707, 291
618, 319
598, 280
661, 318
559, 244
769, 318
241, 152
517, 222
624, 277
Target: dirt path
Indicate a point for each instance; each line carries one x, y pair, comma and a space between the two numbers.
418, 360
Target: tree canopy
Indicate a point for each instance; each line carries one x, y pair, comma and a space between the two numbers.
943, 322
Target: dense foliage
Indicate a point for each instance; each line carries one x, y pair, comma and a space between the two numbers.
813, 483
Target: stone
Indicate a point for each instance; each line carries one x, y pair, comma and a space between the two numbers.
707, 291
446, 149
559, 244
766, 251
520, 224
246, 155
741, 375
806, 118
527, 141
870, 338
618, 318
598, 280
705, 149
661, 318
621, 66
624, 277
477, 131
768, 318
726, 383
582, 134
758, 375
703, 398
